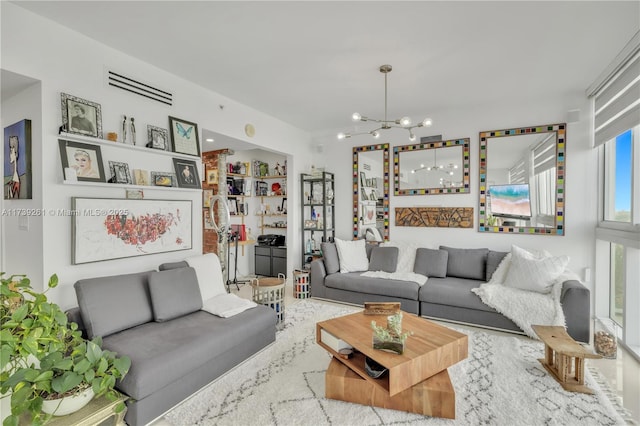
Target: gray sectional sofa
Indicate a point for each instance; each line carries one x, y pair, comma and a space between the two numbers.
447, 294
175, 348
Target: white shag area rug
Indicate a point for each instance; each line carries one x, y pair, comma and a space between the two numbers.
500, 383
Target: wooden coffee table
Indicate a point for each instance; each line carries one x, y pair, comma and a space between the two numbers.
417, 380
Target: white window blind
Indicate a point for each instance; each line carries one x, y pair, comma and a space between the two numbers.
517, 173
617, 99
544, 154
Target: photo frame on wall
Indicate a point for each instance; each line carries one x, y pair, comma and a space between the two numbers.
81, 116
212, 176
17, 161
128, 228
81, 161
158, 138
187, 173
119, 172
185, 137
163, 179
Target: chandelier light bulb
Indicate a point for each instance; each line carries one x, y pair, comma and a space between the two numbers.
412, 137
341, 136
375, 134
450, 173
405, 121
413, 171
356, 116
427, 122
422, 166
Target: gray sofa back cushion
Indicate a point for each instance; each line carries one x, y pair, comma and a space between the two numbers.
493, 261
466, 263
430, 262
383, 259
174, 293
111, 304
330, 256
173, 265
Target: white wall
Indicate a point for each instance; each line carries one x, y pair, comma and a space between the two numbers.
464, 122
42, 49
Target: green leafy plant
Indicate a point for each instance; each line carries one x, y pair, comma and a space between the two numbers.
390, 338
43, 356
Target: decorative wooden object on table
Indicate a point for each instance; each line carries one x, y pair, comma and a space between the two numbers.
559, 348
417, 380
270, 292
381, 308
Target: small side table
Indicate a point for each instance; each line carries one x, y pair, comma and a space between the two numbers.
301, 284
100, 411
270, 292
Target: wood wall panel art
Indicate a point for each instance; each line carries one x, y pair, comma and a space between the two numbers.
435, 217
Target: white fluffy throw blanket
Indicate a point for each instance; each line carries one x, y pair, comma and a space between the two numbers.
401, 276
227, 305
524, 308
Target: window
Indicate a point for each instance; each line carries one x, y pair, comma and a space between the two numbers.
618, 155
616, 284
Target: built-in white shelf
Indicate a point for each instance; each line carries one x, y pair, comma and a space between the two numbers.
128, 186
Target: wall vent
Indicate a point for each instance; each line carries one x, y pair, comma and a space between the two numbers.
120, 81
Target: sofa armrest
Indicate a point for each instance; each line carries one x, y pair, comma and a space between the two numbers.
73, 315
576, 304
316, 280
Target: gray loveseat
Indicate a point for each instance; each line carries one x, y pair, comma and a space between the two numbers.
175, 348
447, 294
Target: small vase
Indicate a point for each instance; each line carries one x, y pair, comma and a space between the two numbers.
394, 345
605, 341
68, 404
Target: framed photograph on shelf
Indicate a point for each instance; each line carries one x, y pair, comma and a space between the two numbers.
81, 161
184, 136
207, 194
163, 179
141, 177
17, 161
128, 228
157, 138
135, 194
368, 214
119, 172
187, 173
81, 116
212, 176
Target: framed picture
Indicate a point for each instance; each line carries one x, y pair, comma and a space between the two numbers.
212, 176
368, 214
141, 177
184, 136
81, 116
157, 138
207, 194
119, 172
82, 158
17, 161
163, 179
119, 228
187, 173
207, 220
135, 194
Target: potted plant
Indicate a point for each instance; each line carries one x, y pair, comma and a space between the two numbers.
44, 358
391, 338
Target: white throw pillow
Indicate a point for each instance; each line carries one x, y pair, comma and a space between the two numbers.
209, 273
406, 254
532, 272
352, 255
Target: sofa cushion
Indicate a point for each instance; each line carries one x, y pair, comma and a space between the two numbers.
466, 263
209, 273
172, 265
431, 262
494, 258
111, 304
174, 293
163, 352
352, 255
528, 271
383, 259
330, 257
453, 292
386, 287
406, 254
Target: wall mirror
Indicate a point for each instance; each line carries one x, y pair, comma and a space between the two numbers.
371, 191
431, 168
522, 180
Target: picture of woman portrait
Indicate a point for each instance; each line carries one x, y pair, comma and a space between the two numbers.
84, 159
83, 165
81, 116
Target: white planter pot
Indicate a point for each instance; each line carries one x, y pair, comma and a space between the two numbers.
68, 404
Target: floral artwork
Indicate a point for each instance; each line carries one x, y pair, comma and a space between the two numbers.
105, 229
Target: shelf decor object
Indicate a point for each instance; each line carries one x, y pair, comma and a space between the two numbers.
81, 116
119, 173
185, 137
187, 173
386, 124
157, 138
106, 229
85, 159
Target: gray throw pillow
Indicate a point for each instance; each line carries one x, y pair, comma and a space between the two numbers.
174, 293
114, 303
431, 262
330, 256
493, 261
466, 263
383, 259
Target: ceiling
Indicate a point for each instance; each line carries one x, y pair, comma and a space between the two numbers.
312, 64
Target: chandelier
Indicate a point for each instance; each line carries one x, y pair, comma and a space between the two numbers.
446, 168
401, 123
